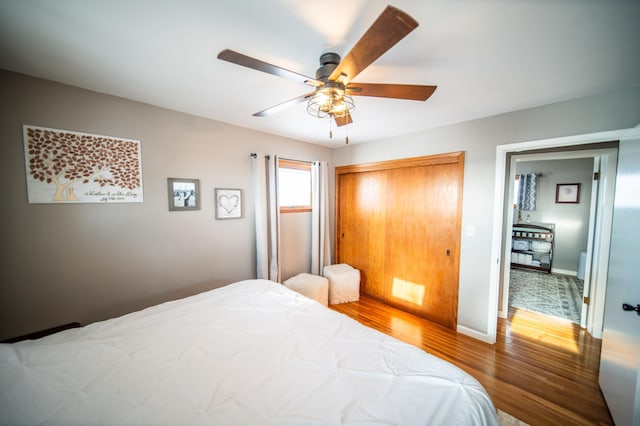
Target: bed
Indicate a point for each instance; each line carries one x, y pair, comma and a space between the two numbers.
249, 353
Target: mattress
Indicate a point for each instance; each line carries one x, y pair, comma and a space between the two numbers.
250, 353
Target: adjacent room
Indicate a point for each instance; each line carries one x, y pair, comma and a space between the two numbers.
550, 237
293, 212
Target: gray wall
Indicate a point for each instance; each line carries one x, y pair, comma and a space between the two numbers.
295, 233
64, 263
87, 262
571, 220
479, 139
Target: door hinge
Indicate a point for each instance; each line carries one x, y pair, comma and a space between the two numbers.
596, 176
587, 300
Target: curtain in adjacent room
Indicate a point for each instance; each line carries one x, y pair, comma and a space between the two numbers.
267, 215
527, 192
320, 229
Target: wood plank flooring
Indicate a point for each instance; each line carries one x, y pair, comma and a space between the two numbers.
541, 370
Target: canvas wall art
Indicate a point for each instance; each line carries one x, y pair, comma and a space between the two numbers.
64, 166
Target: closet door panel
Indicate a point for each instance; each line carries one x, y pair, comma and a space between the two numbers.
421, 268
398, 222
362, 228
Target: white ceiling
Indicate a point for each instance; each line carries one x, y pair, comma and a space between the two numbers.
486, 56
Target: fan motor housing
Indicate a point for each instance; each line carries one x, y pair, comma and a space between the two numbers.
328, 61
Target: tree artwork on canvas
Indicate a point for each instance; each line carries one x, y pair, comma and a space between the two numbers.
71, 167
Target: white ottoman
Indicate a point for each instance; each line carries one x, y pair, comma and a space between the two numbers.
313, 286
344, 283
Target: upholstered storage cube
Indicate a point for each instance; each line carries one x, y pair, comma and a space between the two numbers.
313, 286
344, 283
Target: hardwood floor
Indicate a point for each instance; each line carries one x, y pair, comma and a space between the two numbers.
541, 370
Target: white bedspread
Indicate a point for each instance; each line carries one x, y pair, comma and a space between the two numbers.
250, 353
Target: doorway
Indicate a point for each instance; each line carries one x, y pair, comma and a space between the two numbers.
604, 157
545, 268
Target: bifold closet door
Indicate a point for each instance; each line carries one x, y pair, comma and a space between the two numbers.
399, 223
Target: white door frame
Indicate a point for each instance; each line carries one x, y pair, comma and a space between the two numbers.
586, 292
498, 210
597, 229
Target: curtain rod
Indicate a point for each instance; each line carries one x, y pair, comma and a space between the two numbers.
254, 155
536, 173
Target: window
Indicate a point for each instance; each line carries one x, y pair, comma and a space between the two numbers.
294, 186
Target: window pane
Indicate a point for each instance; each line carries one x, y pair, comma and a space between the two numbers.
294, 187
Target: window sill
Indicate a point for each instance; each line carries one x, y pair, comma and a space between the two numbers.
295, 209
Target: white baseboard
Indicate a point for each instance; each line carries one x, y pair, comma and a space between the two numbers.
476, 334
564, 272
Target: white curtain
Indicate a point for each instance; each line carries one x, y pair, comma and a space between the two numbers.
267, 215
320, 230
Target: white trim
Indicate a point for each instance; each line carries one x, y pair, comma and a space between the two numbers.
564, 272
506, 265
498, 213
475, 334
496, 247
601, 244
593, 210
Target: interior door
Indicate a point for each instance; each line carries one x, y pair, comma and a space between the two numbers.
399, 224
620, 357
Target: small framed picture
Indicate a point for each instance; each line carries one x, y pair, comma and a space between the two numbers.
184, 194
568, 193
228, 203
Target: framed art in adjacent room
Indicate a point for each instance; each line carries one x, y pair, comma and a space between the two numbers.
184, 194
228, 203
568, 193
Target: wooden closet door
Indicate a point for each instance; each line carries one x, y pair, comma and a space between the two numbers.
362, 228
399, 223
421, 242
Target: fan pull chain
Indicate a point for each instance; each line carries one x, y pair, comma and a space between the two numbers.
330, 130
346, 138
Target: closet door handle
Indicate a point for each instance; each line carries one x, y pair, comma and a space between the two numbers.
627, 307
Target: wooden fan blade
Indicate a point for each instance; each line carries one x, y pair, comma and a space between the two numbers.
390, 27
343, 121
398, 91
277, 108
256, 64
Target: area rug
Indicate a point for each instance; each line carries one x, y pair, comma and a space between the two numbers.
505, 419
549, 294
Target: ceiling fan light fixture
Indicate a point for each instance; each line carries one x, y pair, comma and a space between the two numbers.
330, 101
333, 86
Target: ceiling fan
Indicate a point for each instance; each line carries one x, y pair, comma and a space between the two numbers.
333, 83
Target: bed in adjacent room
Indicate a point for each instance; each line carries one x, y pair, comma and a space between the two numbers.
250, 353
